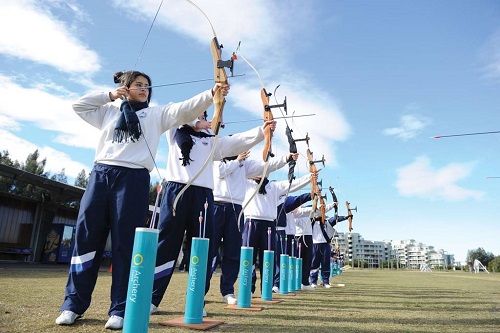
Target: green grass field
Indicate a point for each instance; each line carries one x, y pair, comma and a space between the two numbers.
371, 301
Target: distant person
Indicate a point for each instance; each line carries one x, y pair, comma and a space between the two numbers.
321, 251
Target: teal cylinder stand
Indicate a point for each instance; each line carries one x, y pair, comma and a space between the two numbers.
284, 273
333, 269
267, 276
245, 276
140, 283
291, 272
195, 293
298, 274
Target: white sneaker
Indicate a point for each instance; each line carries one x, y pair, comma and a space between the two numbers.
276, 290
307, 287
67, 318
327, 285
153, 309
114, 323
314, 285
229, 299
204, 312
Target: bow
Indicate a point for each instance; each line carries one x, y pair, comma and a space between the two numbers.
219, 101
463, 134
316, 186
268, 133
334, 198
292, 149
349, 214
291, 141
267, 116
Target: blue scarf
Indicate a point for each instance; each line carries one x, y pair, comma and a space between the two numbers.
128, 125
262, 188
185, 142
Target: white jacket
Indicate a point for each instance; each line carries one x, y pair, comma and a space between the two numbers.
95, 109
226, 146
230, 177
264, 207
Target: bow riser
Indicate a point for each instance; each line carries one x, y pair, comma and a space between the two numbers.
315, 188
220, 76
268, 134
349, 213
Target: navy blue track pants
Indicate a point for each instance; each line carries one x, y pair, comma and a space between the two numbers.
172, 229
226, 228
116, 199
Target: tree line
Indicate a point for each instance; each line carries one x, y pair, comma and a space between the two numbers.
35, 165
488, 259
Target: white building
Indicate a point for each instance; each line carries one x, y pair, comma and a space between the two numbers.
395, 254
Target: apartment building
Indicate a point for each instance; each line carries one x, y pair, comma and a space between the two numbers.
397, 254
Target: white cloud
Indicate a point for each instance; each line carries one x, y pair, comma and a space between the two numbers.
420, 179
325, 127
263, 26
266, 42
42, 38
490, 55
268, 35
47, 112
410, 125
7, 122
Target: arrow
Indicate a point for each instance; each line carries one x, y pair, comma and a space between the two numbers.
260, 119
179, 83
464, 134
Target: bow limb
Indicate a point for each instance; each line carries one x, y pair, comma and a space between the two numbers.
349, 214
219, 101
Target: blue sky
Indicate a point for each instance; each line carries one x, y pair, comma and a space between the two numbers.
381, 77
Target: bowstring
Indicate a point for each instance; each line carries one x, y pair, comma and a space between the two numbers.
162, 181
147, 35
